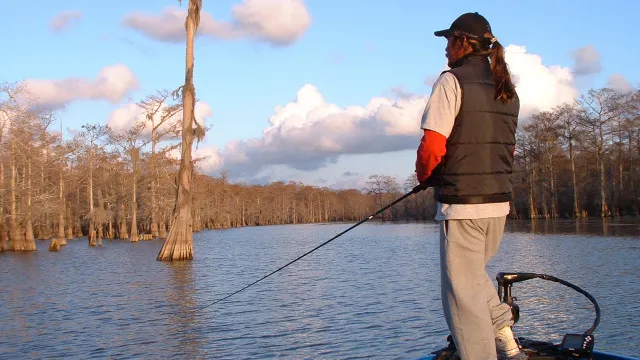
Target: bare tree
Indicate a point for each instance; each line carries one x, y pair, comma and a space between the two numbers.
546, 132
7, 93
131, 142
164, 125
599, 109
92, 135
568, 115
383, 187
179, 243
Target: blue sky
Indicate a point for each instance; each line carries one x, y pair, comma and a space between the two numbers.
349, 52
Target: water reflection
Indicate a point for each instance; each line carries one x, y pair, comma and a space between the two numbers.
181, 309
622, 226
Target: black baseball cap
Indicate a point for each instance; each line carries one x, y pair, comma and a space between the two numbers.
472, 25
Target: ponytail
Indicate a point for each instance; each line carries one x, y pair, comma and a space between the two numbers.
505, 89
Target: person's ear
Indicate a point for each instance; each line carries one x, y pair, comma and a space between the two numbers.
460, 44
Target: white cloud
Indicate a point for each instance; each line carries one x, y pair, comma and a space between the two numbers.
619, 82
211, 159
111, 84
586, 60
309, 133
539, 87
277, 22
62, 21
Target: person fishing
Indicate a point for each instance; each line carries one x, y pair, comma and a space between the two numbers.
466, 154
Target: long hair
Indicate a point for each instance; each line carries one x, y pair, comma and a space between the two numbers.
491, 47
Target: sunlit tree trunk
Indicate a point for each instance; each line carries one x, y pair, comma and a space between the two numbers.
3, 229
15, 238
29, 240
61, 208
576, 209
162, 231
122, 232
179, 243
154, 179
100, 218
43, 231
69, 231
92, 231
134, 200
77, 227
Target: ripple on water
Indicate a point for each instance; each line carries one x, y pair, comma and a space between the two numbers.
374, 293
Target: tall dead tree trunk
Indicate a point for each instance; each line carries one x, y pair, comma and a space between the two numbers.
134, 202
123, 232
576, 209
15, 237
604, 209
3, 229
552, 187
179, 243
533, 209
92, 231
69, 230
77, 227
29, 240
61, 209
154, 179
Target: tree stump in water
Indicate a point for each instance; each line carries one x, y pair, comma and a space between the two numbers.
179, 244
54, 246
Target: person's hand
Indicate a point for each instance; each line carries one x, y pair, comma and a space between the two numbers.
422, 186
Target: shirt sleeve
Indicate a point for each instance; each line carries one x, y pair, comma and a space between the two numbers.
431, 150
437, 122
443, 105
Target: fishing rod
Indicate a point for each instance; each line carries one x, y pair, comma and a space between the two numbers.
415, 190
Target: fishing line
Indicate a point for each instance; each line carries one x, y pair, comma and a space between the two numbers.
416, 189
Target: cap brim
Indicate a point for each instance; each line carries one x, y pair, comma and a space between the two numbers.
444, 33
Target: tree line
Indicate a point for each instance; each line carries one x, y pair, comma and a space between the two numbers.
580, 159
108, 184
576, 160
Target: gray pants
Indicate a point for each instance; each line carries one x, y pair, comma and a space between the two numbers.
471, 305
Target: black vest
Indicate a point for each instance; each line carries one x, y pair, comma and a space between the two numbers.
478, 164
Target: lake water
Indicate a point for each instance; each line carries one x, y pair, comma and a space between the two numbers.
372, 293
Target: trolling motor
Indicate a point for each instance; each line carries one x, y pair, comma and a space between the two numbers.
505, 281
573, 346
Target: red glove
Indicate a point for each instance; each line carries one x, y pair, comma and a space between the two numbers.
431, 150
